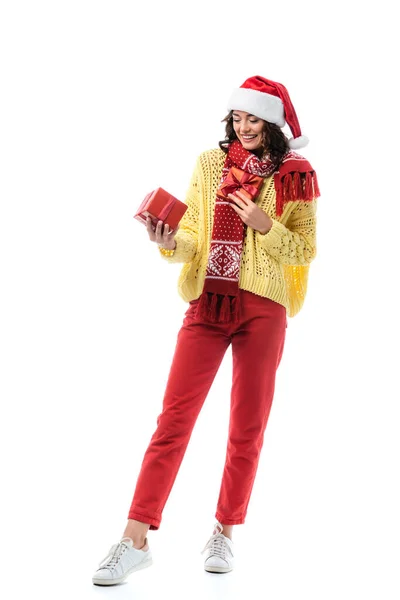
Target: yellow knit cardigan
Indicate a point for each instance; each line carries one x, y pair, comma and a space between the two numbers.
274, 265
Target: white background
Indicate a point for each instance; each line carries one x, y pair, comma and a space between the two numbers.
102, 102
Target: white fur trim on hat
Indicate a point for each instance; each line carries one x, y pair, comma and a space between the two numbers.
298, 142
260, 104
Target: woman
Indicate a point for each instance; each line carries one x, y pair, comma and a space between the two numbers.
246, 240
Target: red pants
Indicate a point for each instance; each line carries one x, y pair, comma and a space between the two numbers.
257, 346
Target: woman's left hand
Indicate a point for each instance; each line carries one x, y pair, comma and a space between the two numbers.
251, 214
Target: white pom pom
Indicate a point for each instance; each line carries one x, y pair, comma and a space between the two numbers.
298, 142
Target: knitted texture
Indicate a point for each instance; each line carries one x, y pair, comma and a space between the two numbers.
274, 265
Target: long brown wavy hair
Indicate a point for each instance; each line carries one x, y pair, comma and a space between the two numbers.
274, 141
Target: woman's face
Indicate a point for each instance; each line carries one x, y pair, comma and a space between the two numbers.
248, 129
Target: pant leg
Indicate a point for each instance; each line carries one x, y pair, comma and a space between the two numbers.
198, 354
257, 347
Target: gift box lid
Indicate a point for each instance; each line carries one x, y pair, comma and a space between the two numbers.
161, 205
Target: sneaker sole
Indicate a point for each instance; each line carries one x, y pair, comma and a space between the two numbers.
99, 581
218, 569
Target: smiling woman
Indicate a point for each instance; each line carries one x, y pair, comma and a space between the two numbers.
246, 240
249, 129
269, 138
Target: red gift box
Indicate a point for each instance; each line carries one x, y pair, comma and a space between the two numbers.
237, 179
160, 205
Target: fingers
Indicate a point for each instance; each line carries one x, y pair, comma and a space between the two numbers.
168, 233
161, 236
239, 198
242, 195
237, 202
150, 229
157, 234
236, 199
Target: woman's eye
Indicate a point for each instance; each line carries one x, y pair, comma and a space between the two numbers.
238, 121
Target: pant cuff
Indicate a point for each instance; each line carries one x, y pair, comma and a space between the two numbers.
227, 521
138, 516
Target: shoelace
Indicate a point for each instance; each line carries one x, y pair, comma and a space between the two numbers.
217, 543
114, 555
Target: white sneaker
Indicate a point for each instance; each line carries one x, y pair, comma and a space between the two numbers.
220, 552
121, 561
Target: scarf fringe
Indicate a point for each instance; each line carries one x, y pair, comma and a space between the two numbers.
230, 309
317, 193
295, 186
225, 309
212, 308
236, 308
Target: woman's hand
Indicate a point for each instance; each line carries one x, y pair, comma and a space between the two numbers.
165, 238
250, 213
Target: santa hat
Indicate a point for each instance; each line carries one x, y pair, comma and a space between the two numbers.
269, 101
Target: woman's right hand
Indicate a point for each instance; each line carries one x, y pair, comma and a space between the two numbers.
161, 235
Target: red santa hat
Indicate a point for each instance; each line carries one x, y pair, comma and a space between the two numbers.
269, 101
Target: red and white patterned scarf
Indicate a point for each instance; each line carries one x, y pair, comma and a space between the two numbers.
295, 180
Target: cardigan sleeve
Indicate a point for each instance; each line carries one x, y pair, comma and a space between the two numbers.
295, 243
187, 235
